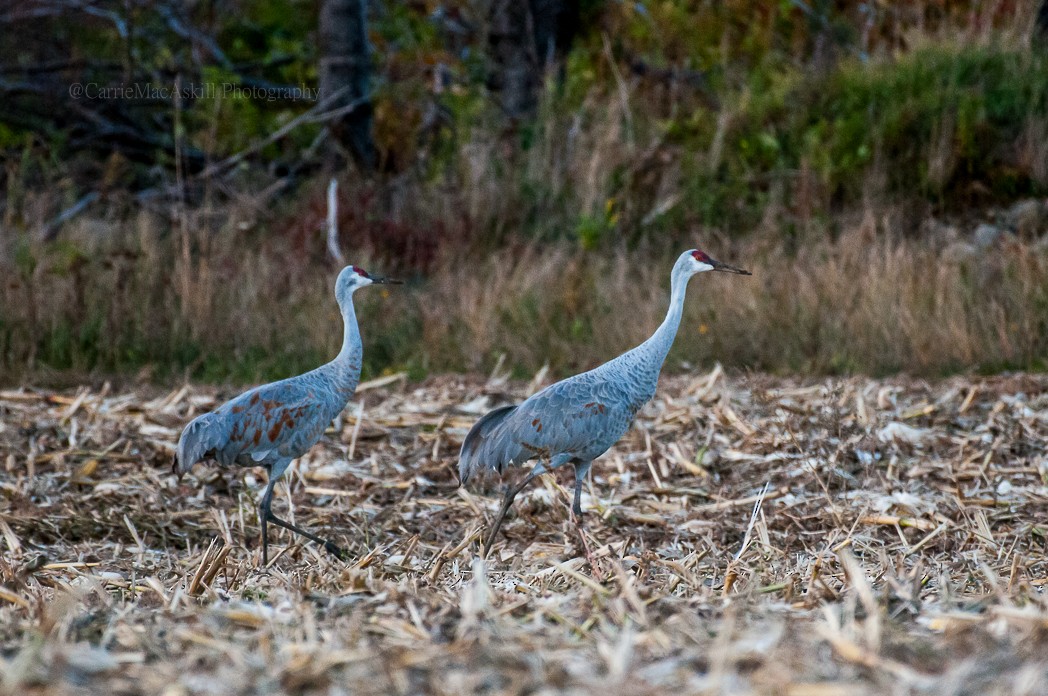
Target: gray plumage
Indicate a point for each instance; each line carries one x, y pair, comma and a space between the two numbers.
578, 419
273, 424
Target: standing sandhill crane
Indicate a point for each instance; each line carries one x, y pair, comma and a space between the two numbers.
271, 425
579, 418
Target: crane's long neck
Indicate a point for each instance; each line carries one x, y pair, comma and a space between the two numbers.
638, 370
348, 360
658, 346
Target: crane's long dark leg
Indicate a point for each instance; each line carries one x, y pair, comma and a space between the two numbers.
581, 469
263, 518
507, 501
265, 515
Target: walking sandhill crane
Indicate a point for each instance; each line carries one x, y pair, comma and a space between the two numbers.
576, 420
271, 425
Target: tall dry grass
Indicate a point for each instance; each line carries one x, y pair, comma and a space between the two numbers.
873, 300
852, 305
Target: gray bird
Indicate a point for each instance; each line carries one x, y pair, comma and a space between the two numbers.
578, 419
271, 425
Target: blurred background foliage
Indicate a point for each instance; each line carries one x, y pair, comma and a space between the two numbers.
176, 228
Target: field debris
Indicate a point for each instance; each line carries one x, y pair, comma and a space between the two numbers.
753, 534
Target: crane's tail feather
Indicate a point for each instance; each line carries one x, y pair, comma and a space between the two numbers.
484, 446
200, 439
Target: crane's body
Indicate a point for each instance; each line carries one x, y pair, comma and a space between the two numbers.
578, 419
272, 425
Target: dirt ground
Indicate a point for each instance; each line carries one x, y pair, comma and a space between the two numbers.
750, 534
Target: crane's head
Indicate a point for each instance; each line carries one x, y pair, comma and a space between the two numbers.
354, 277
699, 261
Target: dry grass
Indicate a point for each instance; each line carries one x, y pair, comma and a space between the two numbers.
873, 300
899, 547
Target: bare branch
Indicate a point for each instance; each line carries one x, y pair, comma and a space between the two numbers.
50, 231
332, 222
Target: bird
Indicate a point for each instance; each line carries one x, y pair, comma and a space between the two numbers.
579, 418
273, 424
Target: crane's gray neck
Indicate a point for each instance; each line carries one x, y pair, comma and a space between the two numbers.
347, 362
658, 346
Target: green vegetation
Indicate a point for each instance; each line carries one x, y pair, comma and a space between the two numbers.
931, 123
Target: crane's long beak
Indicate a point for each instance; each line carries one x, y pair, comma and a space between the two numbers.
381, 280
726, 268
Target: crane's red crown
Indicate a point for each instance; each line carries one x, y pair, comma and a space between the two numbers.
360, 271
700, 256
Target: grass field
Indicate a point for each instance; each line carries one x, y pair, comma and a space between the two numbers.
899, 548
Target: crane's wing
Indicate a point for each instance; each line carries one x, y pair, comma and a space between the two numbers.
283, 418
581, 416
572, 416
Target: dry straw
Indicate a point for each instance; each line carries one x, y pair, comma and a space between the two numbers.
752, 535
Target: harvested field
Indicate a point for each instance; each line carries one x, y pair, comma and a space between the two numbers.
899, 548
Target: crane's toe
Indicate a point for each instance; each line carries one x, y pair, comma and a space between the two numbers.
335, 551
576, 512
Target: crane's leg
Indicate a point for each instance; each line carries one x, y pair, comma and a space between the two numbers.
581, 469
265, 515
263, 518
328, 546
507, 501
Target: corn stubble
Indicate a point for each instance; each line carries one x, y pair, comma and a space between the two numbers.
754, 534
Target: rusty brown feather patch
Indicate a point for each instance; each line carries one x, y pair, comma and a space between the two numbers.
284, 420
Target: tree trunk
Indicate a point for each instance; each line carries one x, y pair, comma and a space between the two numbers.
345, 75
1040, 26
556, 22
527, 37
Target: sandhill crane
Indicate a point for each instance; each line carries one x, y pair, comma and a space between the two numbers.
579, 418
271, 425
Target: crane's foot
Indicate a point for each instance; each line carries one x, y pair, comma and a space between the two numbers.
335, 551
576, 518
268, 516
